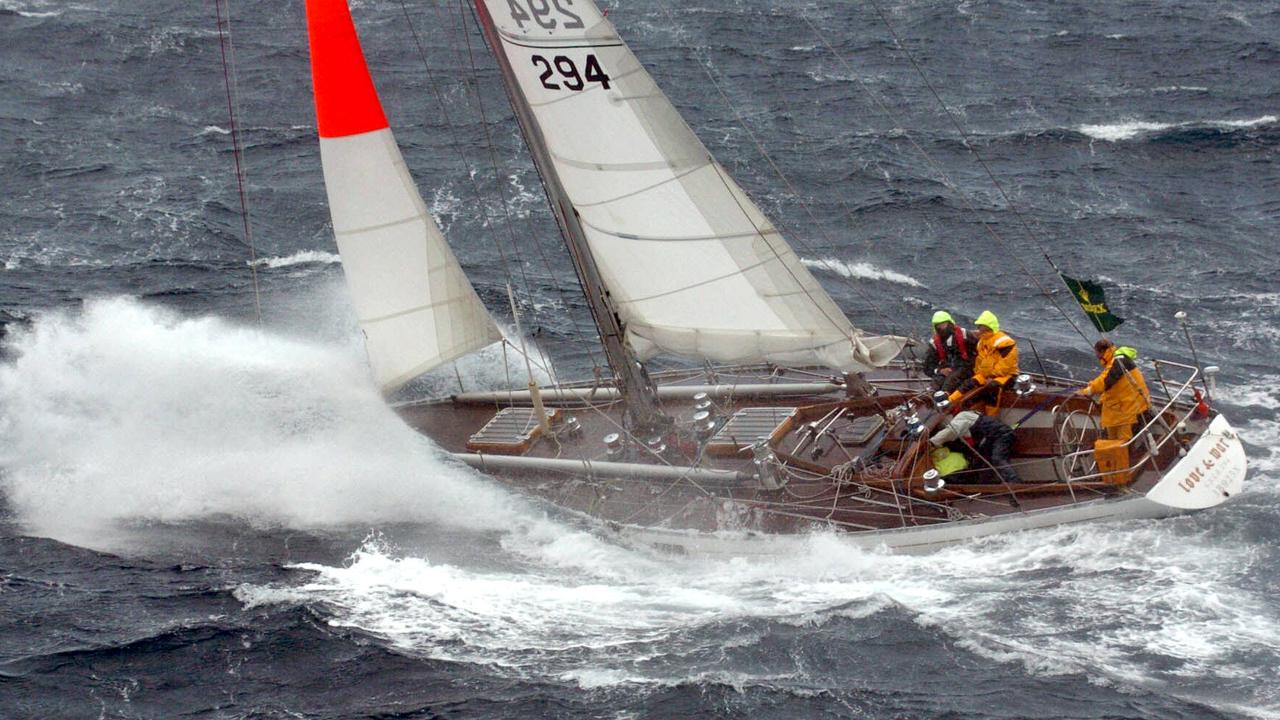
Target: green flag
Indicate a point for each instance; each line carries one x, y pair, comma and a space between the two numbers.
1093, 300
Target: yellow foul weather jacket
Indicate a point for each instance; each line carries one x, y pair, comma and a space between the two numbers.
1122, 388
997, 358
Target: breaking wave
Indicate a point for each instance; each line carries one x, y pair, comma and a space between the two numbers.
1129, 129
861, 271
303, 257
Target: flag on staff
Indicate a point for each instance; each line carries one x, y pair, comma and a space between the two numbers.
1093, 300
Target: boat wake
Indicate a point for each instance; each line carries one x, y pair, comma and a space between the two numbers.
1177, 620
1175, 608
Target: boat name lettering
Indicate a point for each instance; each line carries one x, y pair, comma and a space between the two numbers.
540, 12
570, 78
1193, 478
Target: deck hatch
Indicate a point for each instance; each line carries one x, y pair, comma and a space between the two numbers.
747, 427
858, 430
511, 432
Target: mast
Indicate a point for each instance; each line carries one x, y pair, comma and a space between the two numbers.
639, 394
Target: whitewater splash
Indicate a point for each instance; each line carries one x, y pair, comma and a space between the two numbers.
1173, 606
128, 413
861, 271
303, 257
1178, 620
1129, 129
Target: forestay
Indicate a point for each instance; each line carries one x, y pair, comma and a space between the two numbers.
414, 304
693, 267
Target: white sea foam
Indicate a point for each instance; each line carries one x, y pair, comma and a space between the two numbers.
1264, 436
36, 9
1264, 120
1155, 604
1123, 130
1067, 600
1261, 391
302, 257
861, 271
126, 413
1129, 129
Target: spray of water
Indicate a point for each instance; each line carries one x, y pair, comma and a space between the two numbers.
127, 413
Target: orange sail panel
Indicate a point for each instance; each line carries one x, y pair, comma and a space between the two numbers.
346, 101
414, 304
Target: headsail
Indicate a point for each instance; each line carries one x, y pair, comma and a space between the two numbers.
415, 306
692, 266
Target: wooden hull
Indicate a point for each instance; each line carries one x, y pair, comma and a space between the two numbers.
811, 458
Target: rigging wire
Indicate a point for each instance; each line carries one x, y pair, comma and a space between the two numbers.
965, 140
463, 14
797, 239
237, 147
578, 330
486, 220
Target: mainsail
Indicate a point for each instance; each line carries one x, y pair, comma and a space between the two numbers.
691, 266
414, 304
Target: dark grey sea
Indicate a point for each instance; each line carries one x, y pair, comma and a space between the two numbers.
204, 516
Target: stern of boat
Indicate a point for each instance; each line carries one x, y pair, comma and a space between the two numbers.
1212, 471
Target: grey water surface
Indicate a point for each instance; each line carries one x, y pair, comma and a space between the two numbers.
206, 516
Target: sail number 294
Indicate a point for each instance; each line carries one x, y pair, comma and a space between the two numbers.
546, 13
561, 72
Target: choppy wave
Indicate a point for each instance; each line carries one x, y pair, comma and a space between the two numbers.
861, 271
29, 10
302, 257
1129, 129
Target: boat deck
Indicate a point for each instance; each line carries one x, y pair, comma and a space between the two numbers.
840, 461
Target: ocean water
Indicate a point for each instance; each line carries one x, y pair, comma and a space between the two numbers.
207, 515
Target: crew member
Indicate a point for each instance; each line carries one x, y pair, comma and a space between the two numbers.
954, 351
996, 364
990, 438
1123, 390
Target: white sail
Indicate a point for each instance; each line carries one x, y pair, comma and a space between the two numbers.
415, 306
692, 266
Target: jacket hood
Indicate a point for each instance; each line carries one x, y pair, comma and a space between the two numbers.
942, 316
988, 319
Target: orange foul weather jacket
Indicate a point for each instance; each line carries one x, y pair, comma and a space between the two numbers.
1122, 388
997, 358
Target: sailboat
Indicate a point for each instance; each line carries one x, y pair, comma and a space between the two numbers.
788, 419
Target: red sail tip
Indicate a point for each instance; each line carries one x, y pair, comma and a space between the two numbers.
346, 101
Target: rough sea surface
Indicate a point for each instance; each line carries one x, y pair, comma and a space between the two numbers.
205, 517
